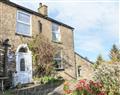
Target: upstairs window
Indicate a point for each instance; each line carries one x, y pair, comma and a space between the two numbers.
56, 35
58, 61
23, 23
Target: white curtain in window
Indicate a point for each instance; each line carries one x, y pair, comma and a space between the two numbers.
56, 35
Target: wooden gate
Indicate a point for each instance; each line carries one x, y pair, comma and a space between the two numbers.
1, 61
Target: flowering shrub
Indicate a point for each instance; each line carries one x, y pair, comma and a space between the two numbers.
109, 76
84, 87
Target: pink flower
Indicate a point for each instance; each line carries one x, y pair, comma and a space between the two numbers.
82, 81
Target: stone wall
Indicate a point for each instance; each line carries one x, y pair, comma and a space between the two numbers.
39, 89
86, 69
8, 30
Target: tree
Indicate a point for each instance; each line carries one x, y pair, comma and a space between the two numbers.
43, 53
99, 59
115, 54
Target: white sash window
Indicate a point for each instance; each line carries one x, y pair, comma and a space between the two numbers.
58, 62
56, 35
23, 23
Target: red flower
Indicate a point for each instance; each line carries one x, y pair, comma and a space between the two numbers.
82, 81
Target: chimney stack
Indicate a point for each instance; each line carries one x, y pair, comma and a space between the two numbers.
43, 9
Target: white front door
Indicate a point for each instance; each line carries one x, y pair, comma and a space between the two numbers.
23, 68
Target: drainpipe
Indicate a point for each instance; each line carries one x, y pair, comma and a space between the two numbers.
74, 56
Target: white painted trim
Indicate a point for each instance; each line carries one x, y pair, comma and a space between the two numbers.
29, 24
22, 45
23, 76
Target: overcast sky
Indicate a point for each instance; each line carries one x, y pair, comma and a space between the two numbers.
96, 22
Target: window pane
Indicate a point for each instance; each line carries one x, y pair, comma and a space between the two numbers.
23, 28
24, 17
22, 49
55, 27
22, 64
79, 70
57, 64
56, 36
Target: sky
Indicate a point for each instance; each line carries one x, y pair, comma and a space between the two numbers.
96, 23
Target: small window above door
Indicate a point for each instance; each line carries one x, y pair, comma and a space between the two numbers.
22, 49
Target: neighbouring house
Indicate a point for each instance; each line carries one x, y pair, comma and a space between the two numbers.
84, 67
20, 25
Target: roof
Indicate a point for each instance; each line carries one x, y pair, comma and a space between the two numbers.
84, 58
35, 13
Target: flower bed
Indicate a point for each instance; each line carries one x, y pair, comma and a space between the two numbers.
83, 87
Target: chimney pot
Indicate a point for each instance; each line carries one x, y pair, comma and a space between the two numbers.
43, 9
40, 4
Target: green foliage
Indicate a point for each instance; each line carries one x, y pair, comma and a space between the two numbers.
115, 54
99, 61
46, 79
109, 76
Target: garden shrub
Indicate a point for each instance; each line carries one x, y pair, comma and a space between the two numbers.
43, 52
47, 79
109, 76
84, 87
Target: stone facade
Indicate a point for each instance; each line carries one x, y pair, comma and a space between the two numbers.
8, 14
84, 68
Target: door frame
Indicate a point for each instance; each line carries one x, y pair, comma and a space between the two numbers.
20, 55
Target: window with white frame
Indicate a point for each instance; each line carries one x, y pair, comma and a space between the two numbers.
56, 35
23, 23
58, 60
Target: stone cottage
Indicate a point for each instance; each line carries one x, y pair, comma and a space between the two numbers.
84, 67
20, 25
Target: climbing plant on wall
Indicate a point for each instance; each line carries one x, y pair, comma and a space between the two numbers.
43, 52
